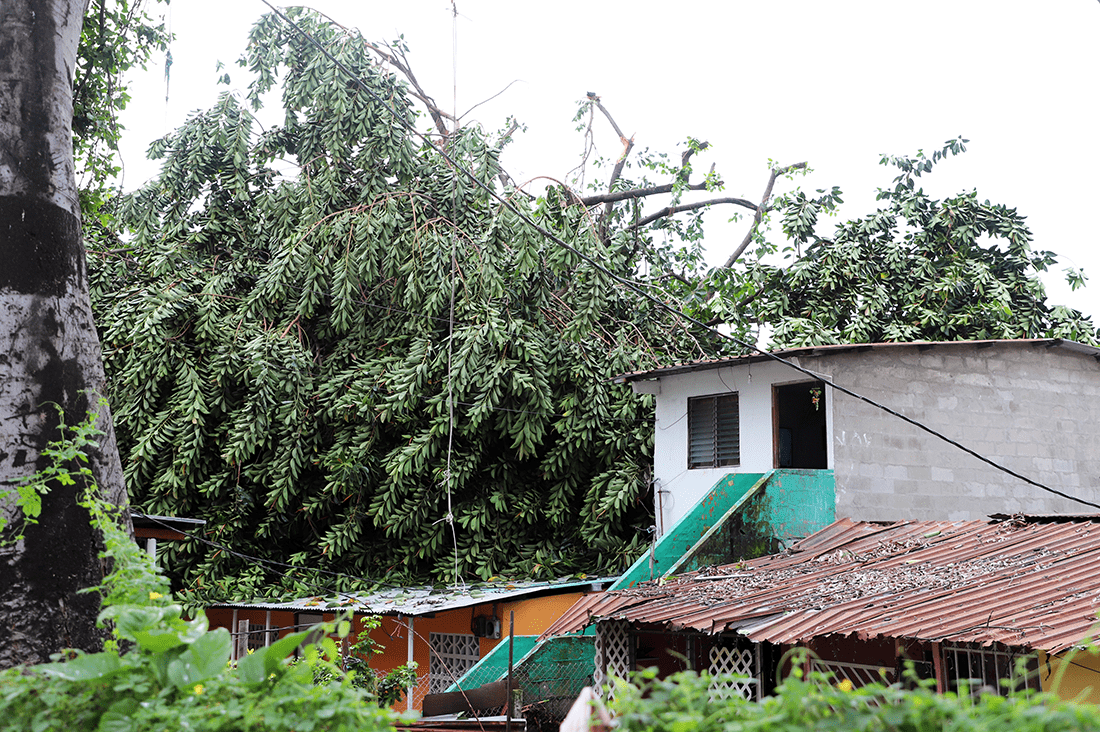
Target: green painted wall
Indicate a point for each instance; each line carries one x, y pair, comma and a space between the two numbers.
702, 517
745, 515
790, 505
494, 665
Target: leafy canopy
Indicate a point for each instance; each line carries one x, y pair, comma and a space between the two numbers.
915, 269
284, 361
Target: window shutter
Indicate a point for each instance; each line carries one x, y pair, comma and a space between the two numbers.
714, 438
701, 433
727, 449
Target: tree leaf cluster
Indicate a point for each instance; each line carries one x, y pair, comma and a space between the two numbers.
917, 268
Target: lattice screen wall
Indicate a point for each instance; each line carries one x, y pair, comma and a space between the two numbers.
613, 645
453, 654
729, 663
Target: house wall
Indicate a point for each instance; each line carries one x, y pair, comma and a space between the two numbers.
1073, 677
1035, 410
678, 488
1032, 408
533, 616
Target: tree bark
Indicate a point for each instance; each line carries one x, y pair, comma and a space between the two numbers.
50, 353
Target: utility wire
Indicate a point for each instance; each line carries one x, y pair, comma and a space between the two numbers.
633, 287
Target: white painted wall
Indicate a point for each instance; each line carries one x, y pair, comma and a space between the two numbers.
677, 488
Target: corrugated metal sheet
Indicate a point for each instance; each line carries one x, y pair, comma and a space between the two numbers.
810, 351
1018, 582
422, 600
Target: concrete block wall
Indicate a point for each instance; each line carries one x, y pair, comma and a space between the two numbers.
1033, 408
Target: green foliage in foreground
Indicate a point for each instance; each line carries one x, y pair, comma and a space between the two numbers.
685, 703
175, 673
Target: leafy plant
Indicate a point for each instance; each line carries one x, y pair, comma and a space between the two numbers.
687, 701
25, 498
163, 671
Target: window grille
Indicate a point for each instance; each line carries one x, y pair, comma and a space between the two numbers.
978, 668
714, 432
452, 655
858, 674
256, 639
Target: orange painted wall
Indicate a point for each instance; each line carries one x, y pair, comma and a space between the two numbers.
533, 616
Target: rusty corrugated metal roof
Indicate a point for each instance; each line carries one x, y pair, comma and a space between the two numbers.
1018, 582
811, 351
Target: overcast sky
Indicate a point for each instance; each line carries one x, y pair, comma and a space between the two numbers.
836, 84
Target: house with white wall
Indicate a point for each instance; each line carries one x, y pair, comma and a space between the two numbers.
1032, 406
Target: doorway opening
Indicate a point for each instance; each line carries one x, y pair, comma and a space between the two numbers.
798, 418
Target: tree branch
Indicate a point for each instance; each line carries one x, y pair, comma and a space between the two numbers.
636, 193
616, 172
397, 59
670, 210
760, 211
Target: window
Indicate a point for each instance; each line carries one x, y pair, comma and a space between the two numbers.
714, 438
978, 668
452, 655
257, 636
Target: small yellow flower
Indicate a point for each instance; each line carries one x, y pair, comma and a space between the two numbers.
199, 689
845, 685
155, 595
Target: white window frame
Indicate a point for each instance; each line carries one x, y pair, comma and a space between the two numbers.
699, 431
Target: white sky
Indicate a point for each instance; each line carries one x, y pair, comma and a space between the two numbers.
832, 83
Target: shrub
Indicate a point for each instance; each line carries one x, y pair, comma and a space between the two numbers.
685, 702
164, 672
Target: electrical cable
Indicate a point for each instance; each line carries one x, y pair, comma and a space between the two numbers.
637, 290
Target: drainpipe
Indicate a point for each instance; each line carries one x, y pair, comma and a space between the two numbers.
409, 659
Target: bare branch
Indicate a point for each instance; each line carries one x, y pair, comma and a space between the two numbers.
637, 193
760, 211
671, 210
397, 59
484, 101
617, 171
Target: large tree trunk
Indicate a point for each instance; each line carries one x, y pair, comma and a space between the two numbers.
50, 353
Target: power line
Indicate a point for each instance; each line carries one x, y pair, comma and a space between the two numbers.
634, 288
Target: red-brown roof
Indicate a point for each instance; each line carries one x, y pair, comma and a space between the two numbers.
1017, 582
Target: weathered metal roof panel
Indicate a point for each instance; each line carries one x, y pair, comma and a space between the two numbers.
811, 351
1017, 582
423, 600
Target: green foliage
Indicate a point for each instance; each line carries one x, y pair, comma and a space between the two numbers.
63, 454
915, 269
685, 702
118, 35
175, 673
282, 360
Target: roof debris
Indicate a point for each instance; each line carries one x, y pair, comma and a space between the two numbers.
1017, 582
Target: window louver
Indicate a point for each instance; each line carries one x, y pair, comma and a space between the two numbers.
714, 438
